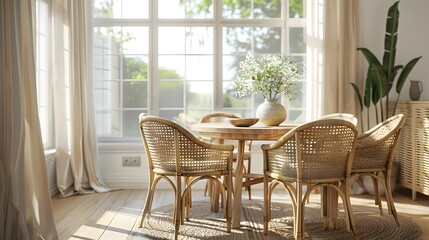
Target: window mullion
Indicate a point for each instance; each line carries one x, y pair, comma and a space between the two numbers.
153, 62
218, 63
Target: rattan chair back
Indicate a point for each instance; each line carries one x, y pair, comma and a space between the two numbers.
173, 149
376, 147
315, 151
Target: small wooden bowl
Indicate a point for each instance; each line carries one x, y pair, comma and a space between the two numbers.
243, 122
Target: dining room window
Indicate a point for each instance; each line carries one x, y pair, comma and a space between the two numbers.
177, 58
43, 80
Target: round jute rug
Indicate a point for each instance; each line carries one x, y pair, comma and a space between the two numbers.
204, 224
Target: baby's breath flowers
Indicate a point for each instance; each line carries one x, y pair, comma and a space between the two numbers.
269, 75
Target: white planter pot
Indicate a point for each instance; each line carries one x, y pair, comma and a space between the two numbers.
271, 112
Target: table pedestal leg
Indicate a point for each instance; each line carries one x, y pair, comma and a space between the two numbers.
329, 207
238, 178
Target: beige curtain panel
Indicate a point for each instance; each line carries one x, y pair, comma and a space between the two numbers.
341, 65
25, 204
75, 136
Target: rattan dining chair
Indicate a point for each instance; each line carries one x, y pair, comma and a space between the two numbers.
318, 154
222, 117
374, 154
175, 154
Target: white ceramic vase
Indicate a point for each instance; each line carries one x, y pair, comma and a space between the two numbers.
271, 112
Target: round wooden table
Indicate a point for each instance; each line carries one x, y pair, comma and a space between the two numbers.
226, 131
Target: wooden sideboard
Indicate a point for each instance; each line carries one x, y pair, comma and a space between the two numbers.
413, 148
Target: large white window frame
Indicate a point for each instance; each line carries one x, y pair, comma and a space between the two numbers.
218, 23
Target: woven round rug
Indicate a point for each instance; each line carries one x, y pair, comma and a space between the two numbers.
204, 224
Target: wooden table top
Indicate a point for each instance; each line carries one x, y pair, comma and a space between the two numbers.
224, 130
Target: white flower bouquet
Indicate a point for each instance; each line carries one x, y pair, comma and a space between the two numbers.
269, 75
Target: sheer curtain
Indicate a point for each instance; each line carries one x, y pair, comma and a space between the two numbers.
25, 204
341, 65
75, 134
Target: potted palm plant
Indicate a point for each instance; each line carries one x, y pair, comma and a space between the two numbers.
381, 75
272, 76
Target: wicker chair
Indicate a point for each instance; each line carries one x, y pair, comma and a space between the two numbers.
318, 154
173, 153
220, 117
375, 150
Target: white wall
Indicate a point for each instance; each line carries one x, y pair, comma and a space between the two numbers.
413, 36
413, 41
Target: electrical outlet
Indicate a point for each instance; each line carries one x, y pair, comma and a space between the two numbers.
131, 161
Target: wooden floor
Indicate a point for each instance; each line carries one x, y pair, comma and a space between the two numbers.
113, 215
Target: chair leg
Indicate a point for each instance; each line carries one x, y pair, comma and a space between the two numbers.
299, 234
348, 208
178, 207
229, 203
267, 206
389, 198
187, 199
249, 190
377, 197
149, 199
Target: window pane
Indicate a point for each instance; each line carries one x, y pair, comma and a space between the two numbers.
107, 94
165, 43
130, 124
199, 95
247, 39
171, 67
237, 39
107, 40
295, 116
135, 40
121, 9
230, 65
171, 94
106, 67
188, 117
199, 40
135, 9
267, 9
296, 9
108, 122
135, 94
237, 9
135, 67
296, 40
170, 114
230, 100
199, 68
248, 9
185, 9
